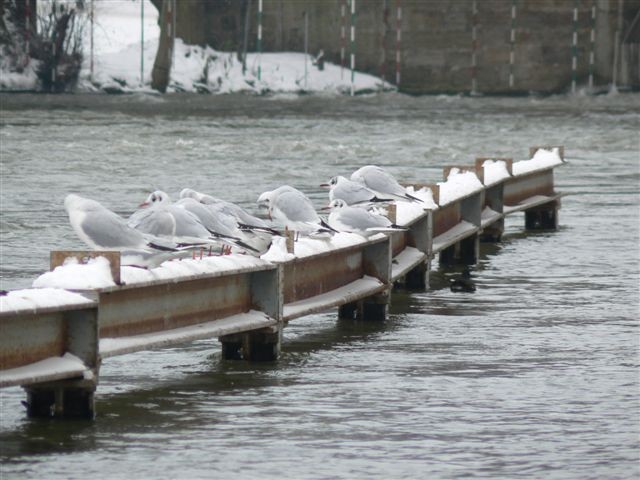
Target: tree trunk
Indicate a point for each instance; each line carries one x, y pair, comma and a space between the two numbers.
162, 65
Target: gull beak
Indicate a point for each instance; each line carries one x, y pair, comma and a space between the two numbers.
144, 205
324, 209
325, 185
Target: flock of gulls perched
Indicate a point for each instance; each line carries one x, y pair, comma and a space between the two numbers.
161, 229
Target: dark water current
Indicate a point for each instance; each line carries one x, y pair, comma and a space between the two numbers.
533, 376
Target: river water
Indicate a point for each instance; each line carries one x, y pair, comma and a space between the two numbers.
533, 376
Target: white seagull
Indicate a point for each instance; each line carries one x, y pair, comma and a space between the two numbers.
102, 229
358, 220
290, 208
381, 182
353, 193
187, 220
244, 220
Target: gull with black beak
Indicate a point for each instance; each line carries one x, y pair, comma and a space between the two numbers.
353, 193
382, 182
291, 209
345, 218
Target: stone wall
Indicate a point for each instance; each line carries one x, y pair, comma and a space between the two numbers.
436, 46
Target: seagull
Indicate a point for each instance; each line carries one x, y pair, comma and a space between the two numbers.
353, 193
186, 220
345, 218
245, 220
102, 229
290, 208
381, 182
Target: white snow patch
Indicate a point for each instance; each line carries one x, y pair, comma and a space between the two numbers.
458, 185
495, 171
278, 251
407, 212
198, 69
49, 368
176, 269
96, 273
541, 159
38, 298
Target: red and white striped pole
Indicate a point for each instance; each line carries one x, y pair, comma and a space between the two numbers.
513, 42
474, 48
353, 47
92, 13
593, 43
343, 36
574, 49
398, 40
141, 42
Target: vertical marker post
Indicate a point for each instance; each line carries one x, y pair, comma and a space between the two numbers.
343, 36
91, 19
574, 49
513, 42
353, 42
306, 46
383, 38
398, 40
593, 43
259, 40
141, 41
474, 47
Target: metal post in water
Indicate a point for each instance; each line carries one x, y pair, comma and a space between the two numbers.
353, 42
141, 42
474, 47
398, 39
593, 44
259, 39
574, 49
513, 42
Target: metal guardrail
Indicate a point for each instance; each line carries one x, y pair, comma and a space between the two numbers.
59, 349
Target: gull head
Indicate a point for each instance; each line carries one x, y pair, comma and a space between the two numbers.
336, 204
156, 198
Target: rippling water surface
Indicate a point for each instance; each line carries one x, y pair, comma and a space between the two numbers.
533, 376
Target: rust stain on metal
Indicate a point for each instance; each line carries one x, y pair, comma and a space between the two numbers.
175, 304
446, 218
517, 189
310, 276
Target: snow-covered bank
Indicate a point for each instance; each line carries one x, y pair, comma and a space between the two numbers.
204, 70
122, 63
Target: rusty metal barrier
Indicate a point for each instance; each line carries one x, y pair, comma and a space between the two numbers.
55, 352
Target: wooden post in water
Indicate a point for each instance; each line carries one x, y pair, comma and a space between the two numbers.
162, 66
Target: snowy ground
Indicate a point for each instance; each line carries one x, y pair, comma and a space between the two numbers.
121, 62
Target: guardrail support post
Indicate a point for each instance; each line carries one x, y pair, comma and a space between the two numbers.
466, 251
71, 398
263, 344
377, 263
420, 237
494, 199
543, 217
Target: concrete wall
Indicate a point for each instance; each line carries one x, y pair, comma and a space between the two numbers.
436, 44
